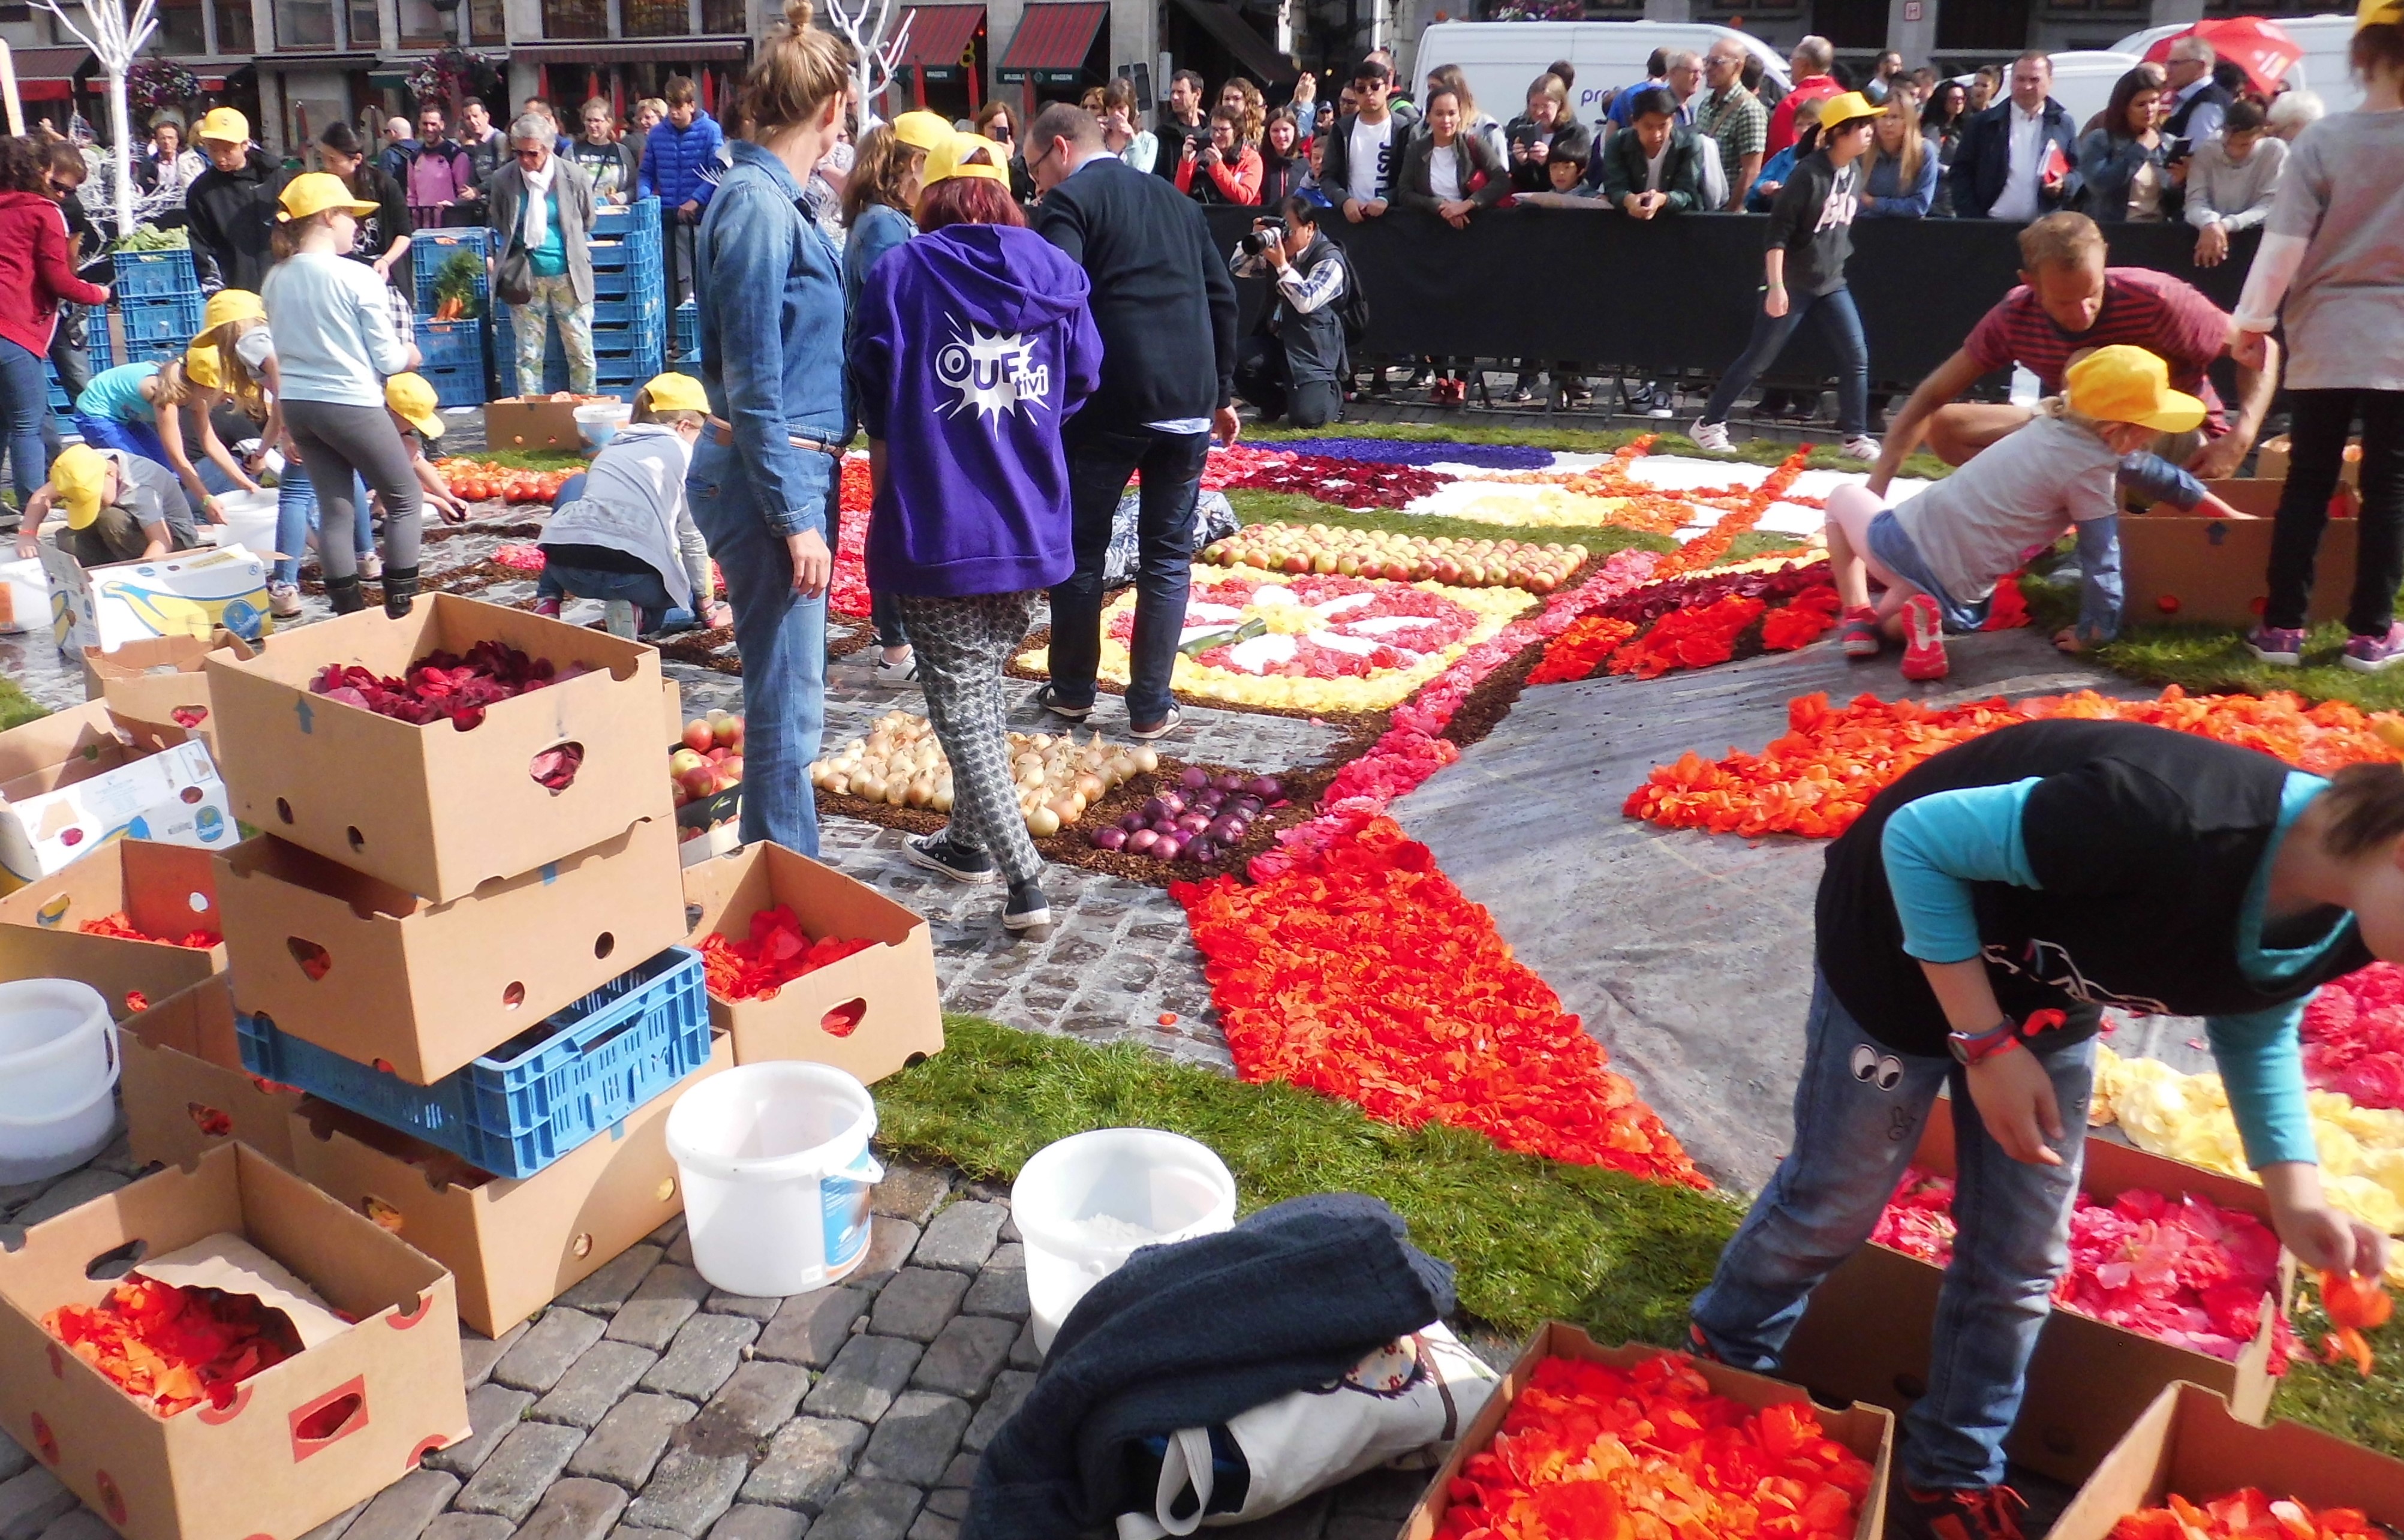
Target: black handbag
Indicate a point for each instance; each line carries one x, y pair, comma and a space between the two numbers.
513, 274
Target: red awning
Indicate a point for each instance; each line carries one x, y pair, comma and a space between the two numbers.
1053, 37
48, 74
940, 35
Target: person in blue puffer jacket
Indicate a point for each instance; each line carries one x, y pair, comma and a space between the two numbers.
675, 154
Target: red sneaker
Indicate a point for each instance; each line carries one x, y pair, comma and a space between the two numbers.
1857, 635
1978, 1513
1924, 639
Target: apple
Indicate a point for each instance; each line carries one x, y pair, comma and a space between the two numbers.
684, 762
727, 729
700, 780
698, 735
730, 770
715, 756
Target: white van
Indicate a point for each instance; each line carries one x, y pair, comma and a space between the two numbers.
1502, 59
2323, 69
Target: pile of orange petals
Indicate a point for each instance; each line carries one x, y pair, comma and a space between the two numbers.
1710, 548
1801, 621
1361, 972
1818, 778
2246, 1514
123, 929
2355, 1305
776, 952
1590, 1452
1688, 639
1575, 653
174, 1347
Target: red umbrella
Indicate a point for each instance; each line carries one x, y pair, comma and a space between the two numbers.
2261, 47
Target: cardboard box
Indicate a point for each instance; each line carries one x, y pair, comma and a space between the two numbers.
512, 1246
2187, 1443
191, 594
131, 979
161, 682
1868, 1332
184, 1089
2217, 570
72, 781
270, 1464
2270, 460
1866, 1430
888, 990
434, 809
521, 422
162, 890
374, 973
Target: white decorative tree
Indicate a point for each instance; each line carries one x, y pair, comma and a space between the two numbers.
862, 23
114, 38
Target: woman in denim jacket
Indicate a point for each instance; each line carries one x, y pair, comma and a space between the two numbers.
763, 485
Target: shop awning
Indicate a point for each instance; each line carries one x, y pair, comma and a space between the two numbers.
672, 50
1052, 41
941, 37
1227, 27
48, 74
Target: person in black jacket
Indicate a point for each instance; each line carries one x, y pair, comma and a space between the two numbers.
2016, 157
1293, 366
382, 239
1631, 182
1164, 305
232, 204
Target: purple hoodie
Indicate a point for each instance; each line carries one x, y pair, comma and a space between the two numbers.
973, 347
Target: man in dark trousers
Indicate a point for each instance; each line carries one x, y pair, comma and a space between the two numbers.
232, 203
2016, 157
1165, 303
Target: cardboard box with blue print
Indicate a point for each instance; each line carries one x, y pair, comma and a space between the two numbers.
72, 781
436, 810
189, 594
374, 1388
185, 1092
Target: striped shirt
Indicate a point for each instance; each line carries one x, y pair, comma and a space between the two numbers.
2162, 315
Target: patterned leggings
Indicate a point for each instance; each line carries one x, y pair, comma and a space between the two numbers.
963, 644
550, 298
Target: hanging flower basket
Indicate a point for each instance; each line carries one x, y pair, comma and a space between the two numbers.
155, 84
452, 75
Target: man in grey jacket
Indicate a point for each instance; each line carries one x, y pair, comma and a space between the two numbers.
542, 207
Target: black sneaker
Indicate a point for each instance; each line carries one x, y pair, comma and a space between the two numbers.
1978, 1513
1049, 699
1027, 909
937, 853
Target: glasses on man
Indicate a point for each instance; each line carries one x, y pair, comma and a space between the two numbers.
530, 152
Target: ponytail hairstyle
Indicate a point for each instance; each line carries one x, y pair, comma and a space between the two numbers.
248, 390
175, 386
797, 71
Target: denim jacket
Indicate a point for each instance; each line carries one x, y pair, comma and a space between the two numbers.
772, 326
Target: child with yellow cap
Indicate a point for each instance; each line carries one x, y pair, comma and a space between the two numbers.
1939, 555
138, 408
622, 530
117, 507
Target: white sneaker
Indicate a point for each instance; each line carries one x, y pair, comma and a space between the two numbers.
1711, 436
283, 601
1862, 447
371, 566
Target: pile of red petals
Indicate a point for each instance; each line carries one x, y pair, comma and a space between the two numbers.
849, 593
442, 686
1802, 620
172, 1347
1362, 972
521, 559
2353, 1036
1696, 622
2353, 1304
1688, 639
1819, 776
122, 926
1578, 651
1228, 467
1591, 1453
1348, 483
2008, 610
776, 952
2182, 1271
2246, 1514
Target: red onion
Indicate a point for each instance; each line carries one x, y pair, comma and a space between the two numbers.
1193, 823
1165, 827
1130, 824
1157, 809
1142, 842
1111, 838
1170, 848
1227, 782
1265, 788
1194, 778
1228, 830
1204, 850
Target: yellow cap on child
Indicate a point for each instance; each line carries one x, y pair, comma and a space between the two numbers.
76, 476
412, 399
2128, 385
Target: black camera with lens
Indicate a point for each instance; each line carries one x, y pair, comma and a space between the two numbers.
1266, 233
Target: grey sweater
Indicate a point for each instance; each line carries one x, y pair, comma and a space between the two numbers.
2236, 193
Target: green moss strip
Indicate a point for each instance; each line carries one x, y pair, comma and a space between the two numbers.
16, 706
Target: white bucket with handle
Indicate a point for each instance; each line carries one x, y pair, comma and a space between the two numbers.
1086, 1203
58, 1065
777, 1176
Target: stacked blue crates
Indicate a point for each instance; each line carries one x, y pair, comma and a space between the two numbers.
96, 348
629, 308
159, 301
686, 334
457, 363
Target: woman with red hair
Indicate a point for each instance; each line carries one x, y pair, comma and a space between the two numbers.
973, 344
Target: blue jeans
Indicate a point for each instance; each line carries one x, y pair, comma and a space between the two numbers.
133, 438
1841, 323
24, 404
1099, 463
654, 607
781, 637
1854, 1138
297, 514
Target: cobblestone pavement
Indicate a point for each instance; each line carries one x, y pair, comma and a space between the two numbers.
645, 1406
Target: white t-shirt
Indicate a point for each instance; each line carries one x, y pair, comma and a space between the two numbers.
2026, 131
1371, 148
1443, 172
1652, 165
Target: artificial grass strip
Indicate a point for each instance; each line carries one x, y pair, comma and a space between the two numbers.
1590, 441
16, 708
1533, 1240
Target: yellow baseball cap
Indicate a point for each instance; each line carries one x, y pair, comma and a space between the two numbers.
675, 393
1845, 107
950, 158
76, 476
224, 124
315, 192
205, 366
923, 130
2375, 13
231, 304
2121, 384
414, 399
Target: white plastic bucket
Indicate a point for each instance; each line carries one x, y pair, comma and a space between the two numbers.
58, 1064
600, 421
250, 520
1086, 1203
777, 1175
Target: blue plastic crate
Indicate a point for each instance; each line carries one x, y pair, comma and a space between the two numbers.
144, 273
451, 344
166, 323
628, 314
430, 249
458, 387
686, 333
538, 1095
96, 343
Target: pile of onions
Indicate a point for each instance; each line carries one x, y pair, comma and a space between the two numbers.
1200, 820
902, 764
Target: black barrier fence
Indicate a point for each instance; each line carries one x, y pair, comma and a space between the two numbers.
1679, 293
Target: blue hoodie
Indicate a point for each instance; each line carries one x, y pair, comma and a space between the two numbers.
975, 347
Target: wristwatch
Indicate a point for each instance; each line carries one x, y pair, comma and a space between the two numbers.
1976, 1048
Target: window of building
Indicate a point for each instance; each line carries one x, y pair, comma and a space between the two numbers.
182, 29
235, 32
424, 27
658, 18
574, 18
724, 17
304, 23
366, 29
486, 22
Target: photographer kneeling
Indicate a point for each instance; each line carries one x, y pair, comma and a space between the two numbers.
1294, 365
